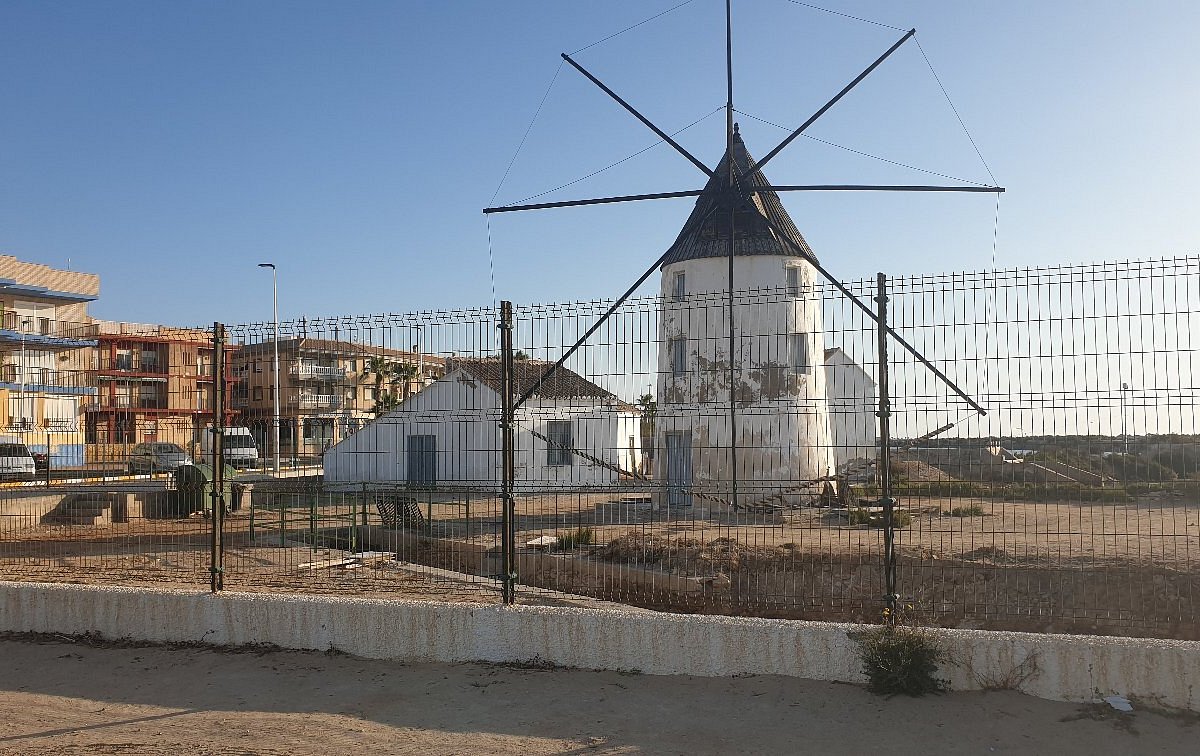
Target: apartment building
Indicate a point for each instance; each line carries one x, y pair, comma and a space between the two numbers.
328, 389
155, 383
47, 342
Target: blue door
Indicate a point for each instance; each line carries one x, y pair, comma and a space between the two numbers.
679, 469
422, 460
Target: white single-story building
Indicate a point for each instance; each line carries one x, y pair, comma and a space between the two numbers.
850, 394
448, 434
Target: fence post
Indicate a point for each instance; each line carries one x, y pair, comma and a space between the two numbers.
507, 386
884, 464
217, 558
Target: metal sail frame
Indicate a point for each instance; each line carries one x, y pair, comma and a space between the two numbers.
738, 196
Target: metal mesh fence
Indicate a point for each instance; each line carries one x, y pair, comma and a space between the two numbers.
669, 466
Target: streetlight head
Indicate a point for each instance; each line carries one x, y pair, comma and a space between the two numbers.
267, 265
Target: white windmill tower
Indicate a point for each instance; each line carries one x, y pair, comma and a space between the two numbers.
781, 417
739, 281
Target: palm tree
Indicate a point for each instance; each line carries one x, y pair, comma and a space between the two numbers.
404, 374
381, 369
649, 409
377, 366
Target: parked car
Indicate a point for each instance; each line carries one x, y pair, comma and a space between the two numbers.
240, 449
157, 457
41, 461
16, 461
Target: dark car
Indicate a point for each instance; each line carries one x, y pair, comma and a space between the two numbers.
41, 461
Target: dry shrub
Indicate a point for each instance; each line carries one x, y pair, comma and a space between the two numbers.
898, 659
690, 556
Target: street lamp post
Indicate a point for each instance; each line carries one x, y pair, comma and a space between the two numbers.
275, 367
21, 394
420, 360
1124, 435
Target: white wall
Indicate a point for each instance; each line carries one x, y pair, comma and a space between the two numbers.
463, 414
1065, 667
852, 406
784, 431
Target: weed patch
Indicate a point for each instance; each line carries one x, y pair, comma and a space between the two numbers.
972, 511
574, 539
898, 659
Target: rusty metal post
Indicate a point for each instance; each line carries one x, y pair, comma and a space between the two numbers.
217, 557
507, 440
884, 464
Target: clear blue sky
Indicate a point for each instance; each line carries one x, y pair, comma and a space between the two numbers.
169, 147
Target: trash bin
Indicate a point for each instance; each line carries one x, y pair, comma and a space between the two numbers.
193, 489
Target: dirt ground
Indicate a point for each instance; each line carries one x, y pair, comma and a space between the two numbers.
1123, 569
60, 698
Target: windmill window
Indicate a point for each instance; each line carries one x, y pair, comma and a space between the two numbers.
677, 349
793, 280
560, 441
679, 288
797, 346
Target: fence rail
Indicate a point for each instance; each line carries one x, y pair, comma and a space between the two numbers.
660, 469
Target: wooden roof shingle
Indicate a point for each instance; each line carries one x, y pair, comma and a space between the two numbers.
706, 232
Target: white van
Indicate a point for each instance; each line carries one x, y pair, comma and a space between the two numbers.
240, 449
16, 463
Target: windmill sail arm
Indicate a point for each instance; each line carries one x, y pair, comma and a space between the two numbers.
550, 371
775, 229
589, 458
812, 119
594, 201
661, 134
875, 188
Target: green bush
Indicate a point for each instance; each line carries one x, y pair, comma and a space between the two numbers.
1068, 492
972, 511
1183, 460
898, 659
946, 488
1129, 468
574, 539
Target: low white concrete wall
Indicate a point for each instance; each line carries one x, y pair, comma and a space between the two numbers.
1060, 667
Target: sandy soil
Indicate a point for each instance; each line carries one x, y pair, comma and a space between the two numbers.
1126, 569
69, 698
1159, 532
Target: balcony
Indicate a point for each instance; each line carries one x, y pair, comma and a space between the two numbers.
307, 371
45, 380
45, 332
126, 364
319, 401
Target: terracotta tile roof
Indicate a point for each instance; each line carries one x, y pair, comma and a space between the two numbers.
564, 384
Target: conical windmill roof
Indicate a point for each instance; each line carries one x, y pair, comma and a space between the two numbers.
706, 233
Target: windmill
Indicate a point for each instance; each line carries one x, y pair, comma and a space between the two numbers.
739, 210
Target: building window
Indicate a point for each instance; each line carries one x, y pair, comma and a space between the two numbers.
148, 397
677, 349
257, 367
317, 431
797, 346
258, 393
124, 359
558, 453
793, 280
679, 286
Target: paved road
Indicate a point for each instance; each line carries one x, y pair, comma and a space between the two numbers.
64, 698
